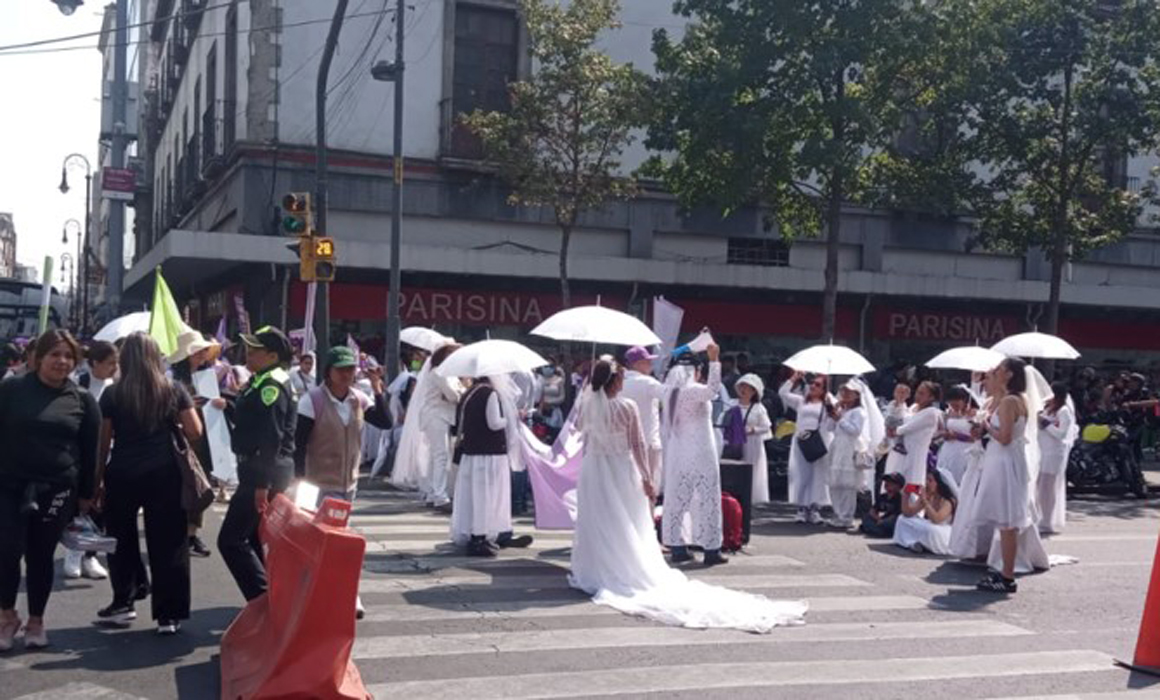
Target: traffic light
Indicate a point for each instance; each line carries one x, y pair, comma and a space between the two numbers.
323, 259
316, 258
298, 216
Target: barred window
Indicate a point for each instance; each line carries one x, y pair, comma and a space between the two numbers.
768, 252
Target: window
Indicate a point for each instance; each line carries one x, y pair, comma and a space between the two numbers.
486, 61
230, 105
767, 252
208, 119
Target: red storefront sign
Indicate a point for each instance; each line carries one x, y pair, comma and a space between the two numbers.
936, 326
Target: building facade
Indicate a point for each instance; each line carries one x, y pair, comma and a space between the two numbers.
228, 128
7, 246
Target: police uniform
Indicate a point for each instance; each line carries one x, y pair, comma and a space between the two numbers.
263, 422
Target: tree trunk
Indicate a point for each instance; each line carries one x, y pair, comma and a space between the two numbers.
833, 231
565, 241
1058, 255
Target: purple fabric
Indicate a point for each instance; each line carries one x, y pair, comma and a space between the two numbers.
555, 473
734, 427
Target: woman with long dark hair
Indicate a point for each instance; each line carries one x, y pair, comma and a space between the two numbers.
1002, 500
1057, 433
615, 557
48, 439
140, 413
925, 524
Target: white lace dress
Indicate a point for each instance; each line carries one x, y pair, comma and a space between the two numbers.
615, 554
692, 511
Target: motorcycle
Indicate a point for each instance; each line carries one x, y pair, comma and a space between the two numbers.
1104, 459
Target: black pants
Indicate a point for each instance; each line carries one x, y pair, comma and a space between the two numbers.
31, 537
239, 545
158, 492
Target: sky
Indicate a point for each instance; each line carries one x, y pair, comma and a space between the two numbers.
50, 109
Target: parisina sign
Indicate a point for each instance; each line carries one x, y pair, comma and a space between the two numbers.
964, 328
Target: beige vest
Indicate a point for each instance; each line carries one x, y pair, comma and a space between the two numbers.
335, 450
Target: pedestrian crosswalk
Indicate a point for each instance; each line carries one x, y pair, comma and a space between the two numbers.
442, 625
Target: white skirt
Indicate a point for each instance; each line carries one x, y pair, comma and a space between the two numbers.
755, 455
483, 498
969, 539
917, 532
809, 482
1003, 499
953, 456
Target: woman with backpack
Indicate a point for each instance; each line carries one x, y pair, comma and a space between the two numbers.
140, 413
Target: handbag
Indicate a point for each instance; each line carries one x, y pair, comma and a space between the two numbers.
196, 491
812, 445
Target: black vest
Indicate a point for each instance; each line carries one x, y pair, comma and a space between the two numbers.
477, 438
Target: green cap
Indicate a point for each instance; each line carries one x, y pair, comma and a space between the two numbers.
340, 356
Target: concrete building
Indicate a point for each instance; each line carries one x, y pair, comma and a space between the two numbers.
7, 246
228, 128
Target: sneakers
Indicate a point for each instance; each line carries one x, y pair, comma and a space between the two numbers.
997, 583
91, 568
359, 611
515, 542
167, 628
35, 637
815, 517
197, 548
117, 614
72, 563
479, 547
8, 630
713, 558
801, 515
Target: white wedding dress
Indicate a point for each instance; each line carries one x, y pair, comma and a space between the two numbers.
615, 554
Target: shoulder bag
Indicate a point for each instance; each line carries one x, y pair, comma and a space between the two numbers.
196, 491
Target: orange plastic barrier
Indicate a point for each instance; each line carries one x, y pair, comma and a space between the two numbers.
295, 641
1147, 658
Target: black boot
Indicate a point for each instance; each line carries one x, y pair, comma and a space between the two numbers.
508, 540
479, 547
680, 554
713, 557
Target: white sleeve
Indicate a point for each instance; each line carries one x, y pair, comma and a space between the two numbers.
926, 418
789, 398
1065, 418
306, 407
495, 419
851, 422
364, 401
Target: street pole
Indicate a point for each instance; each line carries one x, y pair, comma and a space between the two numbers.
393, 322
84, 266
120, 144
322, 295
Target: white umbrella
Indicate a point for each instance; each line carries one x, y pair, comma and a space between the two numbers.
1042, 345
969, 357
489, 358
124, 326
829, 359
597, 324
424, 338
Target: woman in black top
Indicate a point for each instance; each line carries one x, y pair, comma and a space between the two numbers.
48, 455
140, 412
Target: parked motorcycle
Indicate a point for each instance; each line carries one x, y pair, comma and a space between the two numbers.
1104, 459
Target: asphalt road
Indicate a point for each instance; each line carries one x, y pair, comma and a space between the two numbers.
884, 623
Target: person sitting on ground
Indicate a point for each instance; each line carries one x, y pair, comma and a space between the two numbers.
881, 519
925, 525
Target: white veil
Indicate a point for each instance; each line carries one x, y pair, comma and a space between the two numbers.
1038, 389
679, 377
510, 395
874, 427
412, 460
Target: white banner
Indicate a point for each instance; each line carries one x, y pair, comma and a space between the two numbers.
667, 318
217, 432
308, 340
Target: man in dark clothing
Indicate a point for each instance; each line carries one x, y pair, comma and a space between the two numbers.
880, 521
263, 418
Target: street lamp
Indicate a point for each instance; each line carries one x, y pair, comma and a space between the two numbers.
76, 160
67, 7
76, 272
392, 72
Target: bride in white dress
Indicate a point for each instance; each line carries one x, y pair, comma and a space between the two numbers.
1003, 499
615, 554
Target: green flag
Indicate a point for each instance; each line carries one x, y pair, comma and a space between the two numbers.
165, 323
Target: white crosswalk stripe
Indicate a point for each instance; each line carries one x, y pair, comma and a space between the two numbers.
79, 691
431, 611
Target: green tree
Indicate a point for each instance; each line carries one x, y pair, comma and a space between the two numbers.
783, 103
1049, 99
560, 145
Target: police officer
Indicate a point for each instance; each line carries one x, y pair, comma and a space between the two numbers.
263, 420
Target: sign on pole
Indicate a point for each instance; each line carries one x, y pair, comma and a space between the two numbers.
46, 295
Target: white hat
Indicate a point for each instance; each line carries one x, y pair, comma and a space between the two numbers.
754, 381
189, 344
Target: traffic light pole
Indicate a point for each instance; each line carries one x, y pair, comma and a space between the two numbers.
393, 322
322, 299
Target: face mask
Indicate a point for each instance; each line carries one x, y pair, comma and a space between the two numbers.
416, 365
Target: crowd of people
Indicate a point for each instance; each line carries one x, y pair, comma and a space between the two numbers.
975, 470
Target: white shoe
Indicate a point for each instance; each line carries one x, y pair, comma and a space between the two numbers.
359, 611
800, 517
91, 567
72, 563
815, 517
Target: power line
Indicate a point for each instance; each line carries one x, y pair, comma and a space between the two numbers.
285, 25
